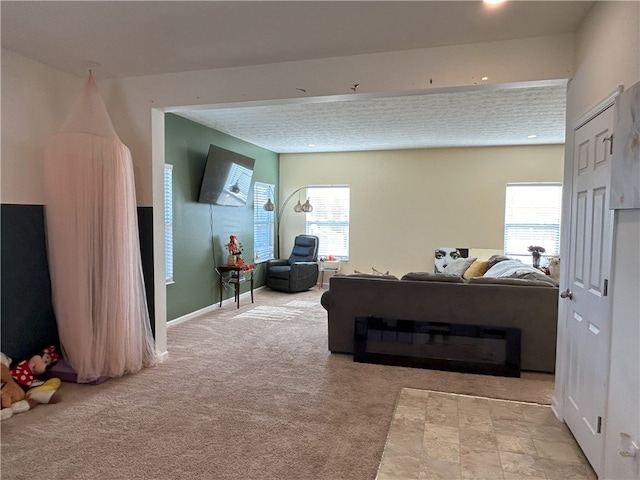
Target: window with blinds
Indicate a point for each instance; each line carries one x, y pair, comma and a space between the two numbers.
532, 217
329, 220
168, 222
263, 223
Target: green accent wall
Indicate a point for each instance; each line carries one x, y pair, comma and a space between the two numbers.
200, 231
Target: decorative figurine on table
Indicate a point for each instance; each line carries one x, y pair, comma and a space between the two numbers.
234, 247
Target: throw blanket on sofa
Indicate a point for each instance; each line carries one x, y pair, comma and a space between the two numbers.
517, 269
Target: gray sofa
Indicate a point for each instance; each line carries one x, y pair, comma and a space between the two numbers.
529, 305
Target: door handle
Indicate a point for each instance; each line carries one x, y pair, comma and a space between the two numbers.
566, 294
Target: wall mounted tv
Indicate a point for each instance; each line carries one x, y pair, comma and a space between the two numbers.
227, 178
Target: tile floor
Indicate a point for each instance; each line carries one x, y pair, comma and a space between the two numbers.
447, 437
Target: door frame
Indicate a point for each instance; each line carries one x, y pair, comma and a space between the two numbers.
557, 400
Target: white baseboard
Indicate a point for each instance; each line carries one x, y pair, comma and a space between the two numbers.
197, 313
210, 308
556, 408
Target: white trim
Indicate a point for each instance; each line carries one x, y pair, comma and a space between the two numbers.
157, 192
557, 399
556, 408
350, 97
163, 356
192, 315
210, 308
596, 110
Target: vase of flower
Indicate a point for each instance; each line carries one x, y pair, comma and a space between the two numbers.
536, 258
536, 254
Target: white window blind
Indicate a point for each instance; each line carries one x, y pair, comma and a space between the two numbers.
329, 220
263, 223
168, 222
532, 217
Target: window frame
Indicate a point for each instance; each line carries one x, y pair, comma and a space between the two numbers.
263, 219
168, 224
550, 231
312, 224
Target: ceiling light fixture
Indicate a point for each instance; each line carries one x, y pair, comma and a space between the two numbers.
532, 136
484, 79
494, 2
311, 145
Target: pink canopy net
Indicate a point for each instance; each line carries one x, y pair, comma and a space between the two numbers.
93, 246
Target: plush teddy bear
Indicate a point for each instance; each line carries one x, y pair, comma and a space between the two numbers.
11, 392
13, 396
16, 400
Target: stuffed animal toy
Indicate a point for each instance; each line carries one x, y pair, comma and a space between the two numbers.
11, 392
554, 268
14, 398
25, 372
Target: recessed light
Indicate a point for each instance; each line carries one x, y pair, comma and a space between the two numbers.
532, 136
494, 2
484, 79
311, 145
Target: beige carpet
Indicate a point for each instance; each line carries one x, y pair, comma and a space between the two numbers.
246, 394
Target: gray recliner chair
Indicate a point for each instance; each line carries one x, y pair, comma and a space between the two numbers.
300, 271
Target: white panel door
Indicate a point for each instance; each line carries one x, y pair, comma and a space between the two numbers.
588, 318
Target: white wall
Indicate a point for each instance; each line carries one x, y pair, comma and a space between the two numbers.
405, 203
136, 104
130, 100
608, 55
35, 102
623, 412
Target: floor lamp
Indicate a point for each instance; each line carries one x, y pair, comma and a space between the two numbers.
305, 207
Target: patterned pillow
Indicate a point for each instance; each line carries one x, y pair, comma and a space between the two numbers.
459, 266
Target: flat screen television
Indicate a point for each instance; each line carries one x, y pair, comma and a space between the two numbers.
227, 178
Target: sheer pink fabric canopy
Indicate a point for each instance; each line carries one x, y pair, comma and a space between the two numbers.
93, 245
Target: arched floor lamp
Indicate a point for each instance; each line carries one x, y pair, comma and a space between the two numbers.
305, 207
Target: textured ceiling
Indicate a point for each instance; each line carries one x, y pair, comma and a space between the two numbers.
483, 117
123, 39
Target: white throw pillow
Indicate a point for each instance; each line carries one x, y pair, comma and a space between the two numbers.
459, 266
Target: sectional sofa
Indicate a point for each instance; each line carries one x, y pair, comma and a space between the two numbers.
528, 304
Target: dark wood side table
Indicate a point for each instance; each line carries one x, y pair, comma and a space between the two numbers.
235, 278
